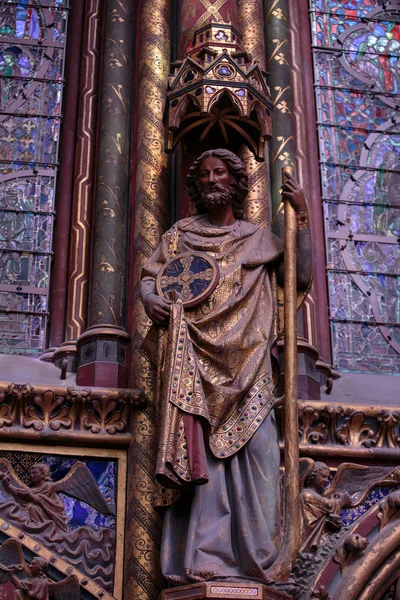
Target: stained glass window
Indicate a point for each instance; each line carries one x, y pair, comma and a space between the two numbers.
32, 50
356, 49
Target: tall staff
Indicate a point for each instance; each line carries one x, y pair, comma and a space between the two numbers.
291, 539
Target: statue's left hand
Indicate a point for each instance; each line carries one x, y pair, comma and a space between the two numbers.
292, 191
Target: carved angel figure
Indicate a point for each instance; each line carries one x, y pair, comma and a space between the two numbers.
322, 501
30, 581
42, 502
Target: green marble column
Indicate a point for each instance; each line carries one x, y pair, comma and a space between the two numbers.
101, 347
282, 147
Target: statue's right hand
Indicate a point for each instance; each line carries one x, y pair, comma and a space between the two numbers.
157, 308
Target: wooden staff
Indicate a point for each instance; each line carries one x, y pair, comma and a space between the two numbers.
281, 568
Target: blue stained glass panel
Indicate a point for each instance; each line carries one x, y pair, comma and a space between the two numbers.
361, 347
32, 51
331, 18
357, 76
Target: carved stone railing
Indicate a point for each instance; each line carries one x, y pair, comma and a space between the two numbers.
61, 414
66, 415
348, 430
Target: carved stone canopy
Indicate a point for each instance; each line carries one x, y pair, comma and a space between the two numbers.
217, 97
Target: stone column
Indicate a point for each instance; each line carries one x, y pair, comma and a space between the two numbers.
143, 524
282, 147
84, 171
283, 152
102, 346
316, 305
59, 283
258, 202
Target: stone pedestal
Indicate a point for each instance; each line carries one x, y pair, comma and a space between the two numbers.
102, 357
224, 591
67, 351
47, 355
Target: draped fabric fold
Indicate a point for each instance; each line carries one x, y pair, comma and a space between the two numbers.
216, 376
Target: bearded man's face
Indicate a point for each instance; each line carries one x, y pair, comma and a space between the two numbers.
214, 180
216, 197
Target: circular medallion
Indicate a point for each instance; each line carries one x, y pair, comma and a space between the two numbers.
193, 275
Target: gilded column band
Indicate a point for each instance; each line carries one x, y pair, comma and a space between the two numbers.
113, 161
84, 173
142, 577
250, 24
282, 148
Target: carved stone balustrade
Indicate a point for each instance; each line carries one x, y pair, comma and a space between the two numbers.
93, 415
348, 430
67, 415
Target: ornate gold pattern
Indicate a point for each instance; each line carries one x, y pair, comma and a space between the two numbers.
258, 202
29, 542
233, 415
171, 277
303, 222
218, 70
107, 303
196, 14
278, 63
142, 576
84, 174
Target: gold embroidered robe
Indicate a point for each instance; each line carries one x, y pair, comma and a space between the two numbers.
216, 374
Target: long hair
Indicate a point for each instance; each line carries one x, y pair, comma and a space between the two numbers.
239, 181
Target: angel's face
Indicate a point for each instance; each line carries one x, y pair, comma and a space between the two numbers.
321, 480
36, 476
35, 567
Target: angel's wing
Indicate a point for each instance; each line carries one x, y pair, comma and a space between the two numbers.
67, 589
358, 478
80, 483
6, 468
306, 465
11, 557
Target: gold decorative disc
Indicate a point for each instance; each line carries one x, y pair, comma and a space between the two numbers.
192, 275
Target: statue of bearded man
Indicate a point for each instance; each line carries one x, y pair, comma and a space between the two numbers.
217, 440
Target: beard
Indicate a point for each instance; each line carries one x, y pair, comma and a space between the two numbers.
219, 196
